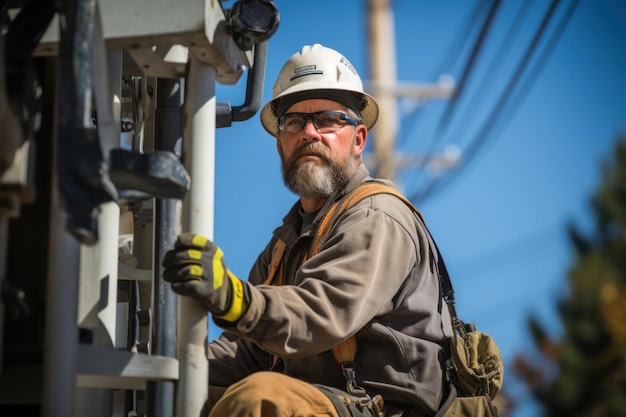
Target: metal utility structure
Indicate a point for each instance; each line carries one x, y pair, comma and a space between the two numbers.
95, 99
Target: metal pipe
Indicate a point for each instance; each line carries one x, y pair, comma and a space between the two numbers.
225, 115
254, 86
167, 216
199, 160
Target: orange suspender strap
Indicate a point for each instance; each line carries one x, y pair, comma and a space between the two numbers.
344, 354
276, 262
275, 276
345, 351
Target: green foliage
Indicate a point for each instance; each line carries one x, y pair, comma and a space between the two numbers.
584, 373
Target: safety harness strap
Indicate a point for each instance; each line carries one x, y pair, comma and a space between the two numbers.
344, 354
276, 262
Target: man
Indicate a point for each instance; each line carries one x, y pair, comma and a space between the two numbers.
373, 278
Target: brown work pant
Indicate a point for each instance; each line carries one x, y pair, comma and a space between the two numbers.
271, 394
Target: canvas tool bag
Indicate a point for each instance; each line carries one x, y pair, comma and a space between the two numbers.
474, 365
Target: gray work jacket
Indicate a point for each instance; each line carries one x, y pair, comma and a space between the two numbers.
374, 278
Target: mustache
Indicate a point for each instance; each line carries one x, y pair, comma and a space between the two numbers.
314, 148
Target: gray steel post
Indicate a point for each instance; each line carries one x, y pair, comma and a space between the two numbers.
199, 160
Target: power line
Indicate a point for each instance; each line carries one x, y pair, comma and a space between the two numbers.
449, 60
462, 37
454, 52
478, 46
545, 54
494, 64
503, 102
498, 57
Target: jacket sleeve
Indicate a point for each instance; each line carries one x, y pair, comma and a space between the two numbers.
232, 358
370, 253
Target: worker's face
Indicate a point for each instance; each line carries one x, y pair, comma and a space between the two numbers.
318, 164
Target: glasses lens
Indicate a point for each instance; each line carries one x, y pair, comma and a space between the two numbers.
328, 121
292, 122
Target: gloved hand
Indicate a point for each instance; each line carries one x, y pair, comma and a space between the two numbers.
196, 267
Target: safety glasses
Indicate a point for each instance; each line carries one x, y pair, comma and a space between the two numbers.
324, 121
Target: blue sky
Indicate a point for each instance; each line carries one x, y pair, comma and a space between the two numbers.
501, 220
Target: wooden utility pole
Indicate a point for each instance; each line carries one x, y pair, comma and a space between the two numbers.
382, 68
384, 86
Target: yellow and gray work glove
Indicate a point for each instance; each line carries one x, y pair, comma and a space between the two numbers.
196, 267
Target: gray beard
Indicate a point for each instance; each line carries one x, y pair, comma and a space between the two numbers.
311, 180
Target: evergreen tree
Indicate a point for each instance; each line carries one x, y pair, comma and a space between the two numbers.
584, 373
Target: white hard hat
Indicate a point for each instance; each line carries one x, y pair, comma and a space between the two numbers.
318, 72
